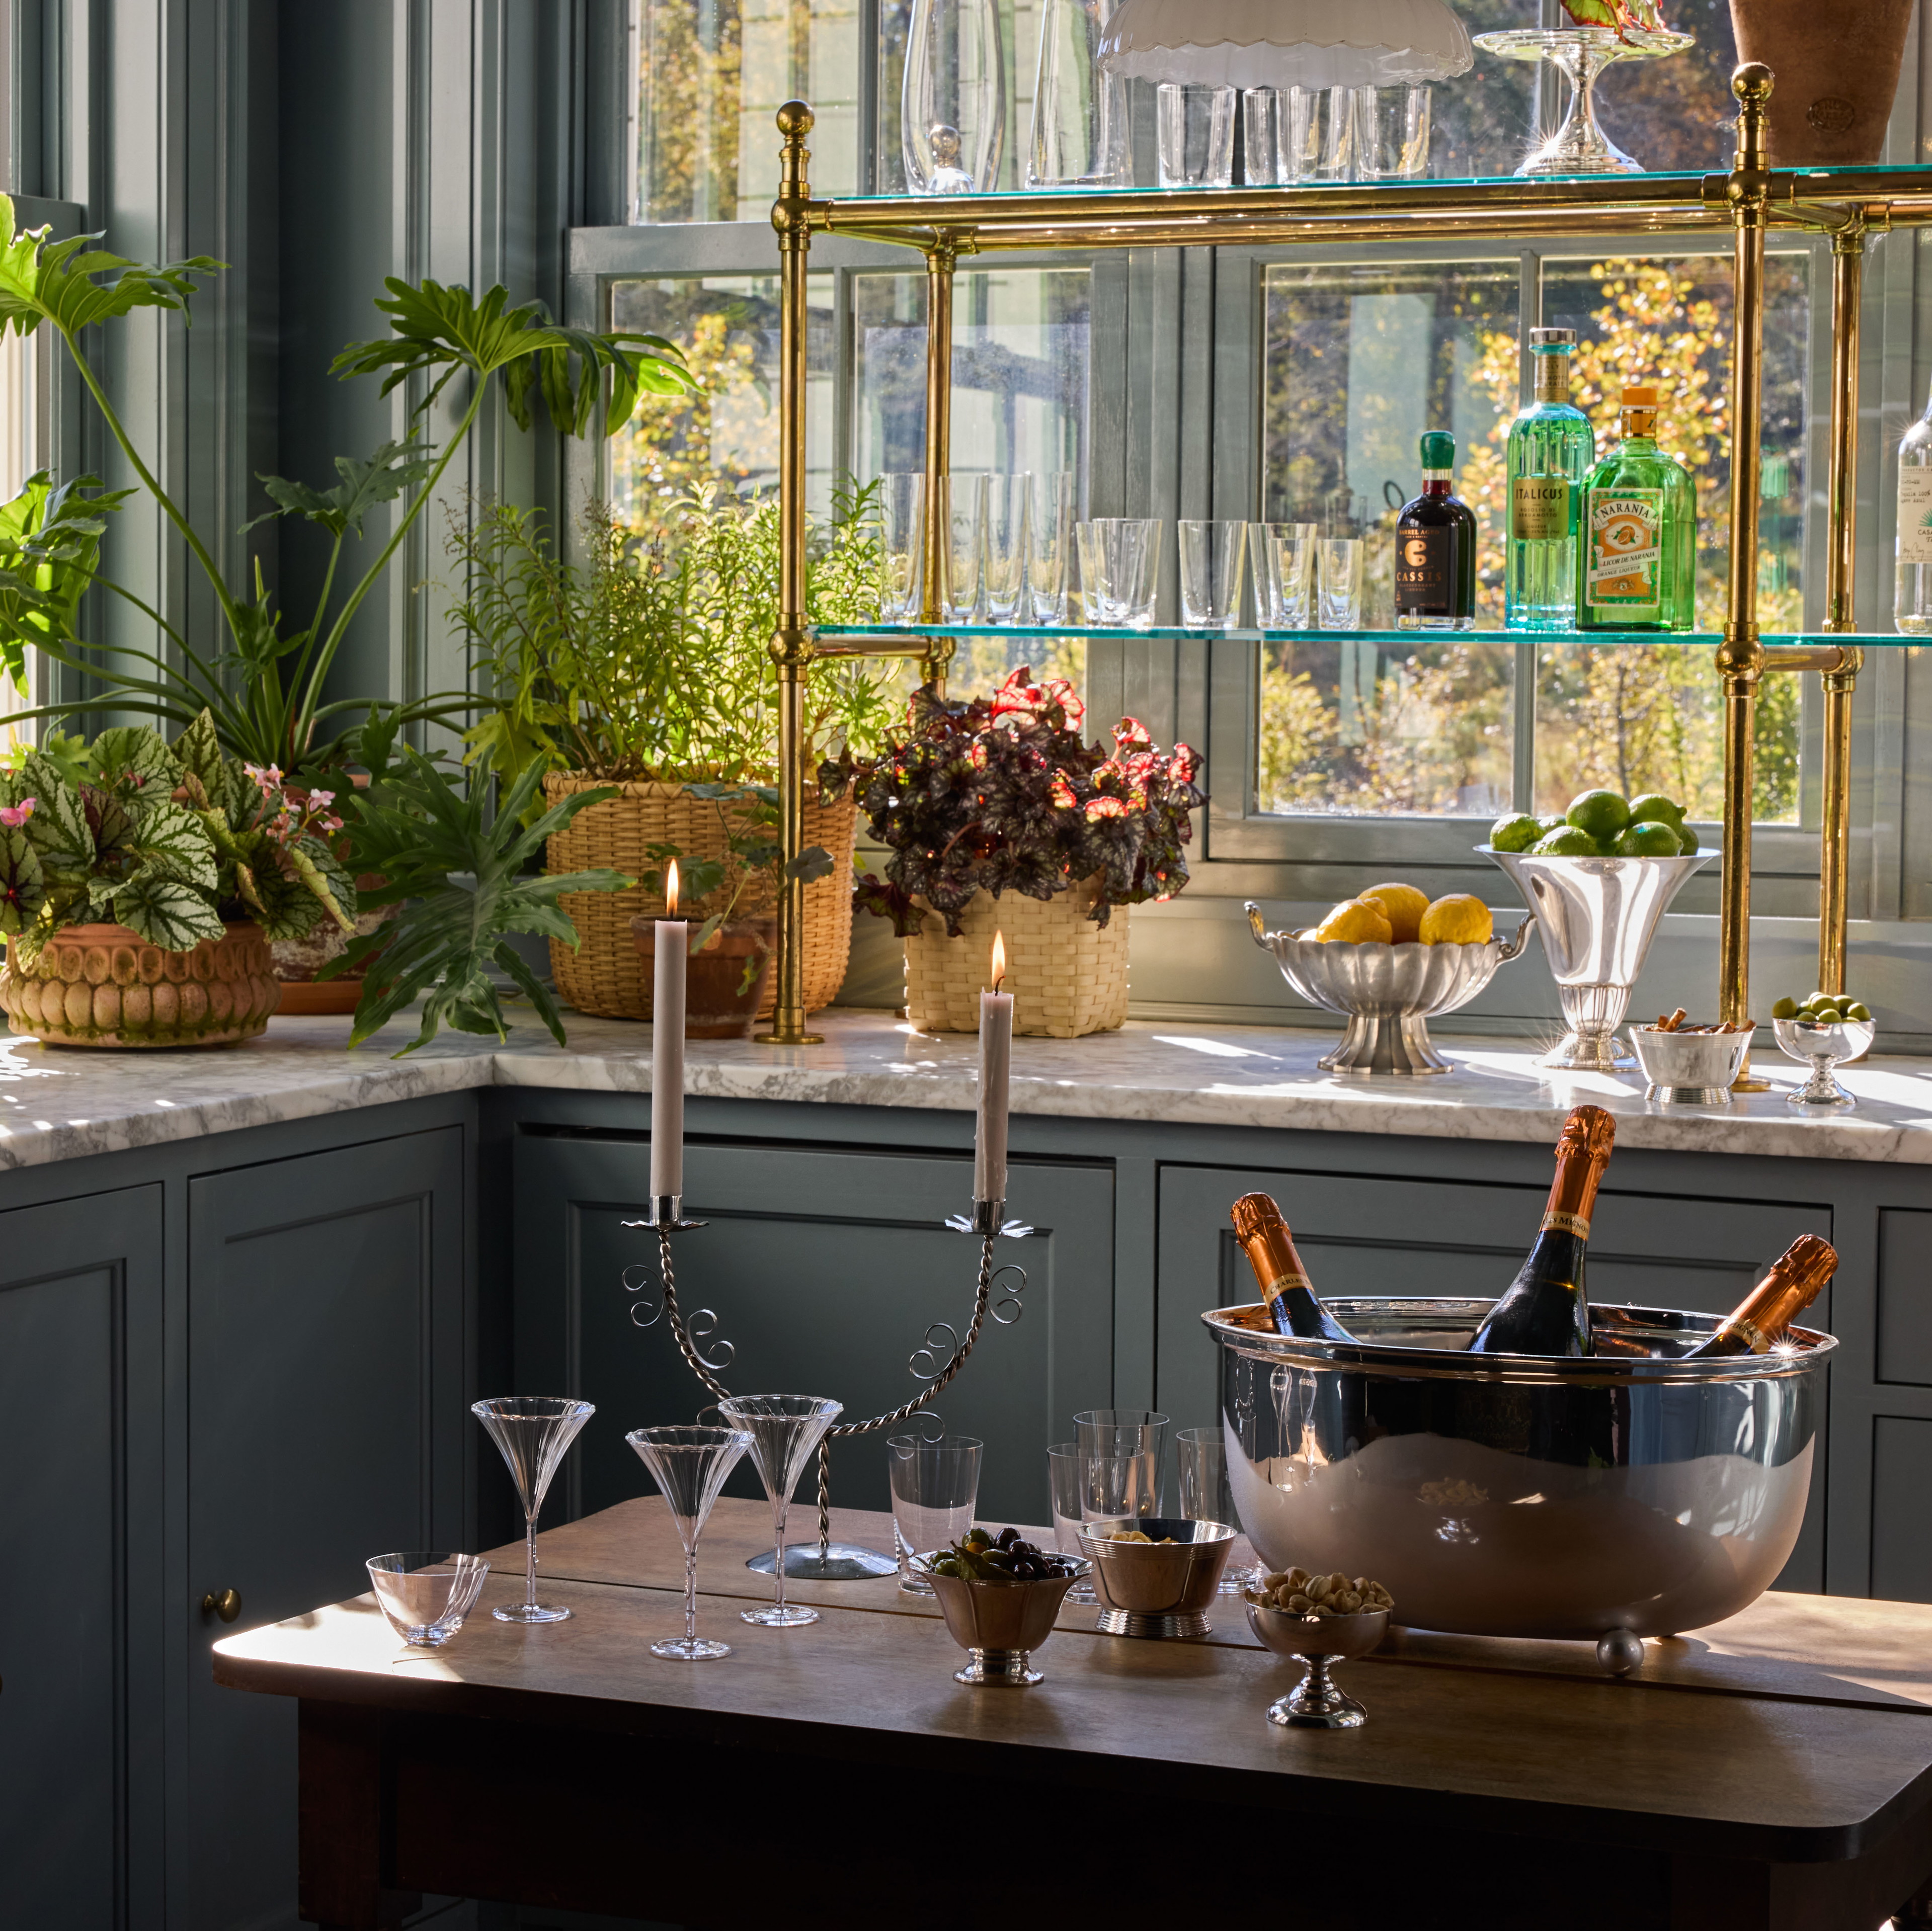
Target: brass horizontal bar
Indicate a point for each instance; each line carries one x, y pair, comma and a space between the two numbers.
1826, 658
919, 651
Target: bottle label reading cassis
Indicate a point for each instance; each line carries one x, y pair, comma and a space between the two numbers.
1556, 1222
1540, 508
1626, 538
1914, 515
1424, 570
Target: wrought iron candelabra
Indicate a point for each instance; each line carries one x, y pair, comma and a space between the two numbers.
934, 1363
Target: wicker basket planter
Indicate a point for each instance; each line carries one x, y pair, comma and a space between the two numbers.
604, 975
103, 985
1067, 975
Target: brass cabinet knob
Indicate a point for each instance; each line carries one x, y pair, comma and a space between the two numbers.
227, 1606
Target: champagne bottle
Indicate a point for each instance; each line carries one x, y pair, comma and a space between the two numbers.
1795, 1281
1291, 1301
1545, 1311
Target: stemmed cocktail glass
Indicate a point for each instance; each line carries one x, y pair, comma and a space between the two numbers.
689, 1466
784, 1430
532, 1431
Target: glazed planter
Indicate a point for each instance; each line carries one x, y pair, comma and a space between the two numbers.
103, 985
718, 1003
1067, 975
1835, 73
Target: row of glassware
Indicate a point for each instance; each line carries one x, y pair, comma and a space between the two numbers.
1291, 134
1015, 554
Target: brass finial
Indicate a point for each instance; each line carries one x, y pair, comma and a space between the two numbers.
1752, 84
795, 117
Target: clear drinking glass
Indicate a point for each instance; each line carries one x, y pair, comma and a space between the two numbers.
1338, 563
1195, 126
1316, 134
532, 1432
1392, 132
902, 537
1281, 558
426, 1594
965, 547
1125, 1446
1066, 1474
689, 1466
1201, 1456
1050, 555
784, 1429
935, 1484
1260, 136
1119, 566
953, 99
1079, 109
1003, 572
1211, 556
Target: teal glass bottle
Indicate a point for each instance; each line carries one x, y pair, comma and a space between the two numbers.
1551, 448
1637, 550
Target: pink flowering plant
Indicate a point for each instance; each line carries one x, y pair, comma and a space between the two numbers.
1002, 794
172, 840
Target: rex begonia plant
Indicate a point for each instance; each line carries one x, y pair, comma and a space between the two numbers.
1001, 794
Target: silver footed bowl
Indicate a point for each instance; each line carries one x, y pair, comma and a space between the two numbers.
1162, 1586
1389, 992
1824, 1047
1633, 1490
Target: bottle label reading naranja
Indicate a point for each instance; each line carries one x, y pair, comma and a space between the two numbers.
1626, 537
1423, 560
1557, 1221
1540, 508
1914, 515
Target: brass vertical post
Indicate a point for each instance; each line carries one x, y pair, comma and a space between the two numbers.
1741, 656
1834, 853
791, 644
939, 264
1848, 256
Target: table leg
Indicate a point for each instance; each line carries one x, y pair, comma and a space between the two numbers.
345, 1823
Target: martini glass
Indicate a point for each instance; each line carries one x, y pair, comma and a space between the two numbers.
689, 1466
784, 1429
532, 1431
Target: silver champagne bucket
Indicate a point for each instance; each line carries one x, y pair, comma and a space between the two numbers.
1522, 1495
1597, 916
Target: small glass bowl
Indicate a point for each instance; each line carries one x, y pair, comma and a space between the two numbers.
426, 1594
1824, 1047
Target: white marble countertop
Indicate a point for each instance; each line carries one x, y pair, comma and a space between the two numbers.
58, 1103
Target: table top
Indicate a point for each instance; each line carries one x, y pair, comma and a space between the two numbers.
1791, 1731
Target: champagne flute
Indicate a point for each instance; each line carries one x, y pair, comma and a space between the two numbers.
689, 1466
532, 1432
783, 1430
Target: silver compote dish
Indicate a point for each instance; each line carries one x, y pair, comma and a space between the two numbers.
1824, 1047
1389, 992
1631, 1493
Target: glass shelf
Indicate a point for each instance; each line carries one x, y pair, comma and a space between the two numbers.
1174, 634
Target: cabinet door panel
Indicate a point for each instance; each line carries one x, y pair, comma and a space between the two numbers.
80, 1309
825, 1270
325, 1426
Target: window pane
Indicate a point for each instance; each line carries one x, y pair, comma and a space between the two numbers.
19, 439
710, 76
727, 434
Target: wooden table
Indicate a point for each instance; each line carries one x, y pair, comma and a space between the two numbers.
1774, 1771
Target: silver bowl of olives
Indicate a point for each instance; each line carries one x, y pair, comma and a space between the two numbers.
1825, 1039
1001, 1595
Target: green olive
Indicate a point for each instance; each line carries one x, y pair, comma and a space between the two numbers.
1858, 1009
1785, 1008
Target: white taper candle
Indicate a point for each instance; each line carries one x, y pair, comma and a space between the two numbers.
996, 1057
667, 1047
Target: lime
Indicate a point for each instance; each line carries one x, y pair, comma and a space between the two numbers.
1602, 813
1516, 834
1785, 1008
1651, 840
1553, 821
1687, 841
1858, 1009
1654, 808
1566, 841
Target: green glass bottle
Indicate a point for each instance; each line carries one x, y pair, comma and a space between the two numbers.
1551, 447
1637, 548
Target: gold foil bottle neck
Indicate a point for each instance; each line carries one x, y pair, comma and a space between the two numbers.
1255, 1213
1589, 1134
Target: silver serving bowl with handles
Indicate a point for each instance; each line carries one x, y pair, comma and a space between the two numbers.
1522, 1495
1389, 992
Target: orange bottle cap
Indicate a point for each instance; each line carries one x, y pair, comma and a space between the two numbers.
1640, 395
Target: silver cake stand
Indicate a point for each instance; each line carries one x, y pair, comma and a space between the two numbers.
1580, 55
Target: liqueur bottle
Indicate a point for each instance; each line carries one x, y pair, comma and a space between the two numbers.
1637, 555
1795, 1281
1545, 1311
1911, 597
1291, 1301
1551, 448
1435, 548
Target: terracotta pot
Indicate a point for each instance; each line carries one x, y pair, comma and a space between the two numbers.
103, 985
298, 960
718, 1003
1835, 70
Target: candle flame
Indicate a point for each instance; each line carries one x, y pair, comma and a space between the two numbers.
999, 960
670, 890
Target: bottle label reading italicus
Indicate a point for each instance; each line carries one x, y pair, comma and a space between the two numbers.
1557, 1221
1540, 508
1626, 535
1915, 514
1422, 570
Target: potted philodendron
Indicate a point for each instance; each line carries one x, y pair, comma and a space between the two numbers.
646, 667
141, 882
1000, 818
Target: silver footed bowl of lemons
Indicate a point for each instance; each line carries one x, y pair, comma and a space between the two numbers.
1391, 959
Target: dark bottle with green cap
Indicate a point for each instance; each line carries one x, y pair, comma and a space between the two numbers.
1435, 548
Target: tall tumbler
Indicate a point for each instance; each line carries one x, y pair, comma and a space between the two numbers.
1004, 569
952, 100
1195, 131
965, 547
1079, 134
902, 539
1051, 569
1261, 136
1211, 556
1392, 132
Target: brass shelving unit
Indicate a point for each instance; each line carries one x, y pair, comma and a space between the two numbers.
1848, 204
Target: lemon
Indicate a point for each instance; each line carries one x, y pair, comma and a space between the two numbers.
1355, 921
1459, 919
1403, 906
1602, 813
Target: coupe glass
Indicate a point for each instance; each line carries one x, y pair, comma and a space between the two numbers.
902, 537
532, 1431
1201, 1471
426, 1594
689, 1466
934, 1486
784, 1430
1050, 557
1004, 570
1211, 556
